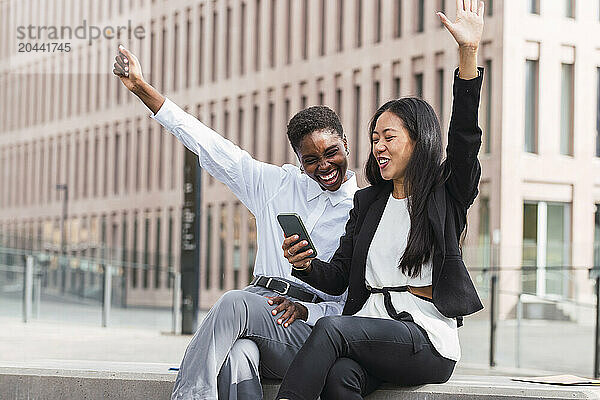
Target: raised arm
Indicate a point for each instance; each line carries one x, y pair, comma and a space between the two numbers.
127, 67
464, 135
252, 181
466, 30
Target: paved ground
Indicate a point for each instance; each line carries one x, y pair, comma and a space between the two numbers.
66, 331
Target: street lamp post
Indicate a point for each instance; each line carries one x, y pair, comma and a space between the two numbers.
63, 236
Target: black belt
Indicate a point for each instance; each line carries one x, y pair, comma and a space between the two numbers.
389, 307
286, 288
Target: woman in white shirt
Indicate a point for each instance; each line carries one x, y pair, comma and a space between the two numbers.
273, 315
400, 256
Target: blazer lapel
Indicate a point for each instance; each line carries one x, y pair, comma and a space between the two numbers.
367, 231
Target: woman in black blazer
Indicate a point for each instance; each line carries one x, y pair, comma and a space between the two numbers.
400, 257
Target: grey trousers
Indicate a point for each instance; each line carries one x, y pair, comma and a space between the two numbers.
221, 350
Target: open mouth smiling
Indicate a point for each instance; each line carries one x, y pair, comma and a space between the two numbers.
329, 178
383, 162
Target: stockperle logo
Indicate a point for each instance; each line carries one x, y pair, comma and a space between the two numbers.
46, 33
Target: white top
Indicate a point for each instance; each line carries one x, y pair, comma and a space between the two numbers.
383, 258
267, 190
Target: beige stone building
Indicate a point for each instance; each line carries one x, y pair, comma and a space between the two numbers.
244, 67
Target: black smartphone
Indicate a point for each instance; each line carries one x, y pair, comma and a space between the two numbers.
292, 225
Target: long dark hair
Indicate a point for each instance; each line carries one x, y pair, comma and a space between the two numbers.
423, 172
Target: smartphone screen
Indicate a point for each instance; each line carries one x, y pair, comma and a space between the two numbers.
292, 225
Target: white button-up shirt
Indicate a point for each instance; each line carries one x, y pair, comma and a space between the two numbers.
268, 190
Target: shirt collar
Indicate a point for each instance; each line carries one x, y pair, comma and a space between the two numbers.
346, 190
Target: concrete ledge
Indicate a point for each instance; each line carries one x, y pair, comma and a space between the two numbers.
149, 383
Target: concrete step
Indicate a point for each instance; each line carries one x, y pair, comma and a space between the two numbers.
92, 380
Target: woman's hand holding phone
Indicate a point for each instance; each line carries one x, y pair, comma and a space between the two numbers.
292, 252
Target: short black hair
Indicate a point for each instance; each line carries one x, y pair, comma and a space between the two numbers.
312, 119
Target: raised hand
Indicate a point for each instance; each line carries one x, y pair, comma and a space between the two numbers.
127, 67
468, 26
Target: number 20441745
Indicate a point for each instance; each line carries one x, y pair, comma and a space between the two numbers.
45, 47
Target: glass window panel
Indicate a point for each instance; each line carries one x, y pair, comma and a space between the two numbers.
484, 233
557, 248
566, 110
208, 246
529, 246
531, 102
597, 237
598, 113
237, 221
222, 245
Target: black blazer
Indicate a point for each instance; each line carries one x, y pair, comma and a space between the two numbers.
454, 294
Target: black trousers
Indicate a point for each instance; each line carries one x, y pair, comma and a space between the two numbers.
347, 357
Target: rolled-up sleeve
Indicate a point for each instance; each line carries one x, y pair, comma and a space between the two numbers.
252, 181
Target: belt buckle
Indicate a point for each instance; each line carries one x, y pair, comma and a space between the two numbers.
283, 292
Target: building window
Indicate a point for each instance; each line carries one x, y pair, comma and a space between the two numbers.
566, 109
489, 7
146, 261
157, 262
223, 239
338, 102
376, 94
531, 105
420, 17
288, 32
484, 233
215, 43
546, 247
377, 26
134, 252
418, 82
237, 221
398, 18
488, 107
117, 169
397, 86
598, 113
270, 130
359, 15
228, 43
201, 47
124, 256
286, 118
208, 252
170, 262
242, 39
323, 28
570, 8
273, 32
305, 29
163, 68
439, 74
356, 122
257, 35
149, 165
175, 52
597, 236
188, 48
534, 6
340, 25
255, 130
